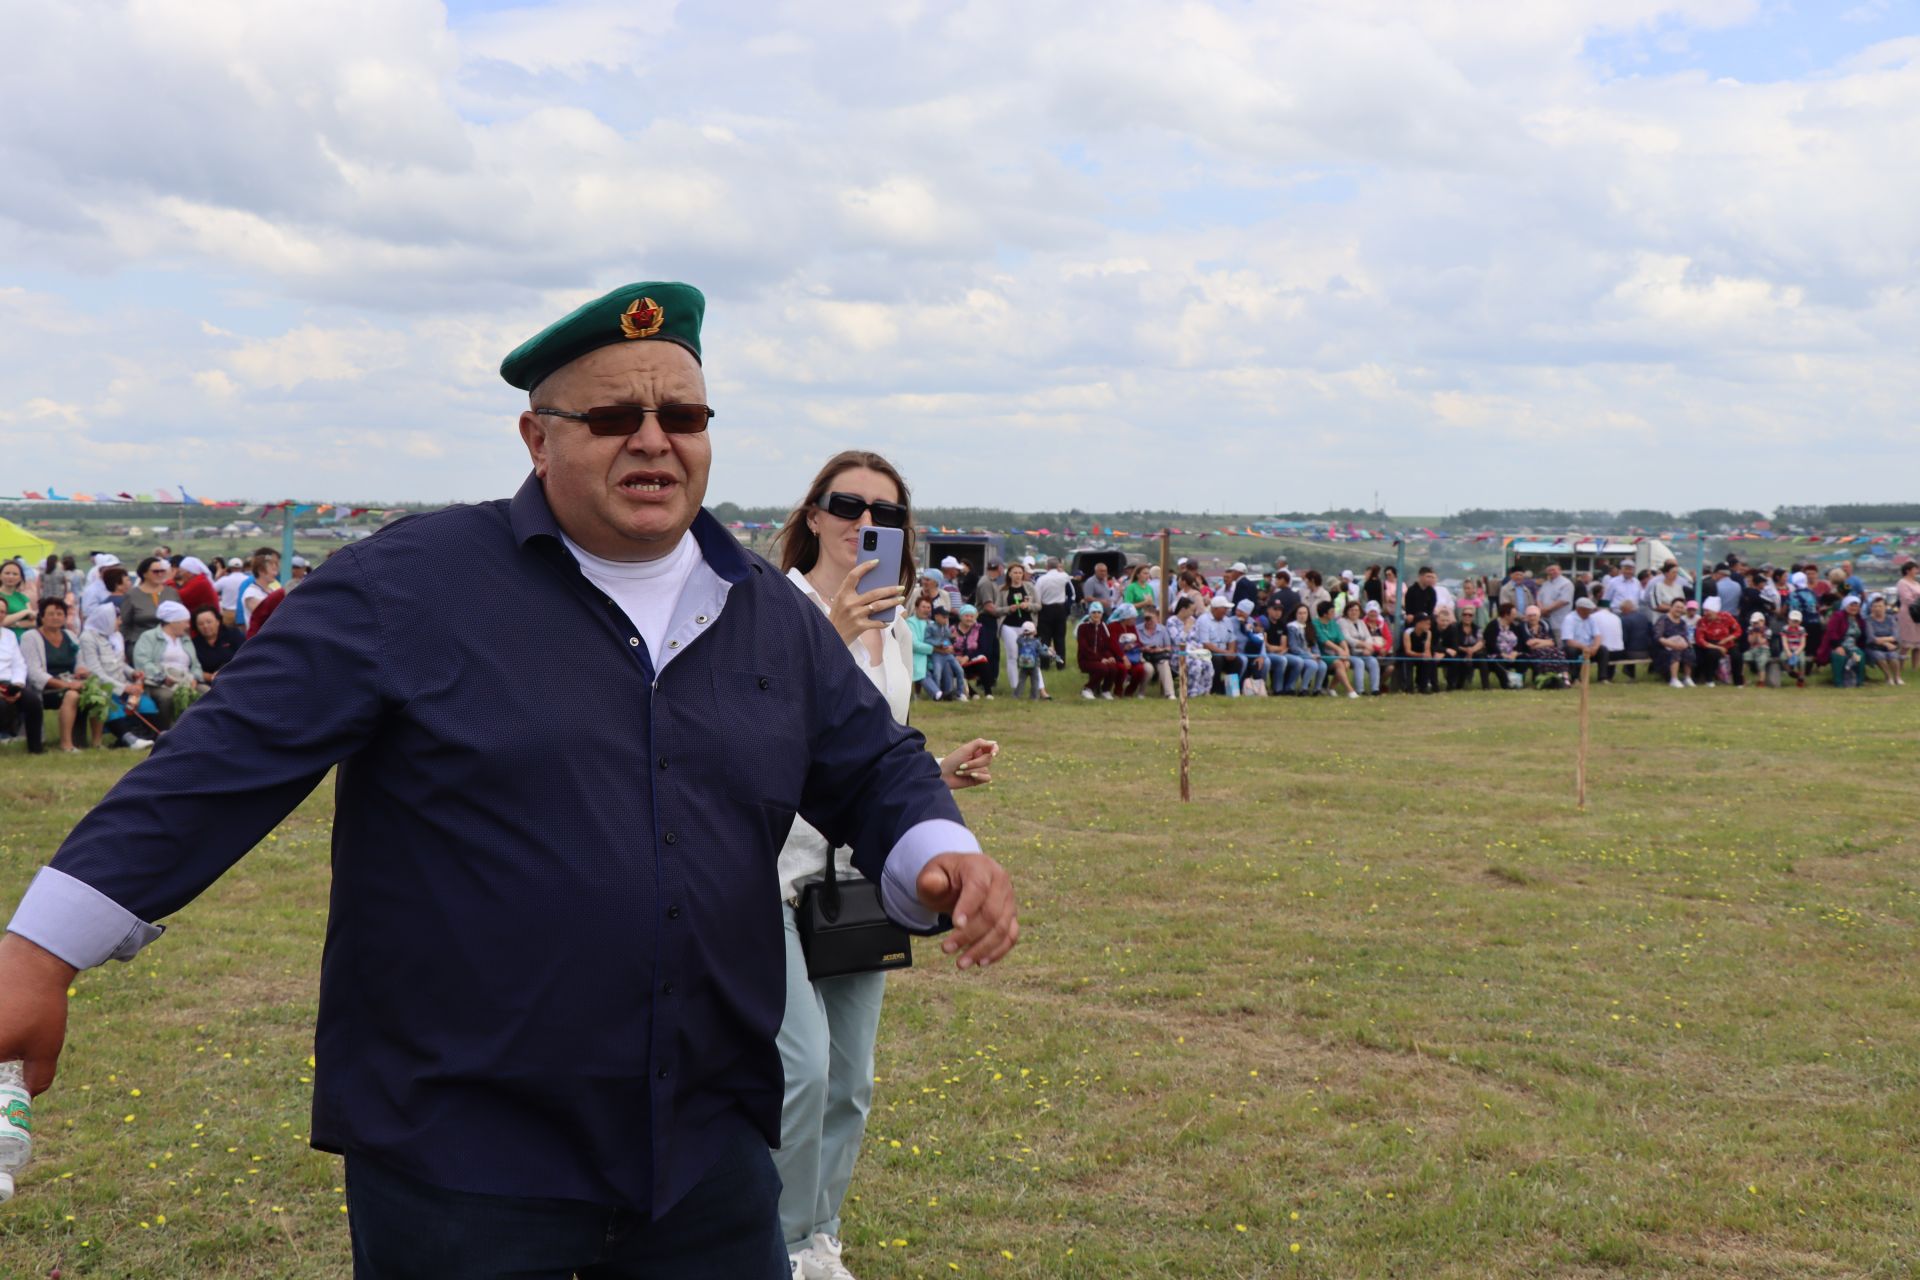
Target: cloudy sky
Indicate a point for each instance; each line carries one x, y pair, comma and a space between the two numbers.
1232, 256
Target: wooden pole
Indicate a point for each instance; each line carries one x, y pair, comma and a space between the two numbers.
1186, 747
1165, 602
1580, 759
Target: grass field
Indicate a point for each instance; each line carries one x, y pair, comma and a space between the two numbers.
1379, 1002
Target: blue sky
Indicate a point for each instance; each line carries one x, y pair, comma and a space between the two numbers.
1210, 256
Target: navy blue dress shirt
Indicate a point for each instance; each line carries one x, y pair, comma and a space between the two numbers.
554, 958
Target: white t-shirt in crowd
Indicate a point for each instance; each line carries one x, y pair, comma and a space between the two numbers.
229, 590
647, 591
1051, 587
1606, 624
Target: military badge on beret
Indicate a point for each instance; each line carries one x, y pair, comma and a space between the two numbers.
643, 319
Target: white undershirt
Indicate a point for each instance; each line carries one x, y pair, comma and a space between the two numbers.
647, 591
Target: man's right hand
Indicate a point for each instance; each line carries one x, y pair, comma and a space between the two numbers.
33, 1008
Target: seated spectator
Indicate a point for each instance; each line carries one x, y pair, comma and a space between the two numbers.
1503, 645
1542, 647
1794, 654
1381, 643
944, 677
1256, 673
1286, 670
977, 648
1303, 642
1122, 627
1417, 654
1716, 641
1454, 644
1583, 641
1183, 629
1636, 636
1156, 648
1882, 638
23, 711
1843, 644
1668, 587
1359, 641
167, 658
16, 606
52, 654
103, 653
195, 585
1221, 639
140, 607
214, 641
1333, 646
1759, 649
1673, 638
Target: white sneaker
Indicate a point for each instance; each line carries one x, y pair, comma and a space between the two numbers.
1675, 682
1352, 694
822, 1259
1087, 694
133, 743
797, 1264
1107, 695
1690, 683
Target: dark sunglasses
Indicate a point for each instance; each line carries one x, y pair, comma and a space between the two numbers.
625, 419
850, 506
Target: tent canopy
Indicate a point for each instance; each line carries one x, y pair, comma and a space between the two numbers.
15, 541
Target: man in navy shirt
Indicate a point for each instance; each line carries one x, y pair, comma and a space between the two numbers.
554, 966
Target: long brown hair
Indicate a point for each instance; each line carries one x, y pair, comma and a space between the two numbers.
800, 545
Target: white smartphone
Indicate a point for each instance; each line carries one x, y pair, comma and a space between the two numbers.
886, 546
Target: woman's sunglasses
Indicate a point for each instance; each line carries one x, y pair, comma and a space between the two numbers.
850, 506
625, 419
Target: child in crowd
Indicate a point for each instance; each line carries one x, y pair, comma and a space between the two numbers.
1793, 648
1758, 654
945, 680
1026, 663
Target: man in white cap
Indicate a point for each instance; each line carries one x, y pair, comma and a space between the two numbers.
95, 593
1239, 586
1582, 641
1221, 637
950, 571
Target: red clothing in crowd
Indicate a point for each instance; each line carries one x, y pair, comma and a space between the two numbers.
1108, 670
197, 593
1717, 628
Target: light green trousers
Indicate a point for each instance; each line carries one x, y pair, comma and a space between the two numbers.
826, 1049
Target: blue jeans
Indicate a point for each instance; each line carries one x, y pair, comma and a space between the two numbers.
944, 677
1366, 668
726, 1228
826, 1050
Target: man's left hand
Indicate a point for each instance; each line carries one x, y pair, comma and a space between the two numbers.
978, 894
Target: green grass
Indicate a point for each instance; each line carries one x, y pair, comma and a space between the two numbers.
1378, 992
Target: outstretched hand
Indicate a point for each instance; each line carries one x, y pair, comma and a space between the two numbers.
977, 893
969, 766
33, 1008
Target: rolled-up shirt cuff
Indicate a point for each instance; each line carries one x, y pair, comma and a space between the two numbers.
900, 881
77, 922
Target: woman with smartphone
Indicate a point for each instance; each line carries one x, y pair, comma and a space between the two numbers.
828, 1033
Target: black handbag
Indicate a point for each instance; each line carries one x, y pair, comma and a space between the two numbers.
845, 929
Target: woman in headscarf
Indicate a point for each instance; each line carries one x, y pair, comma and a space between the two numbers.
103, 652
1844, 644
1883, 640
166, 656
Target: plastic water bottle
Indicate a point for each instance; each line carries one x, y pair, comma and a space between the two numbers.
16, 1125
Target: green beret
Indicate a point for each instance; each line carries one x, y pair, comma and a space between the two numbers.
661, 309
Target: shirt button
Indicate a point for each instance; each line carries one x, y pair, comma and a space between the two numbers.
673, 644
672, 838
663, 762
663, 1073
702, 618
634, 641
673, 913
764, 682
666, 989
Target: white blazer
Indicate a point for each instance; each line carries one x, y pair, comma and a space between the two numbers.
805, 853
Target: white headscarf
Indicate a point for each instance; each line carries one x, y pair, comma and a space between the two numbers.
172, 611
103, 618
194, 564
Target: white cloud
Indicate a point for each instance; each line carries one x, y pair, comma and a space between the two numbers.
1032, 248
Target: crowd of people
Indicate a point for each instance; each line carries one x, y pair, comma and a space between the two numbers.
118, 654
1305, 634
